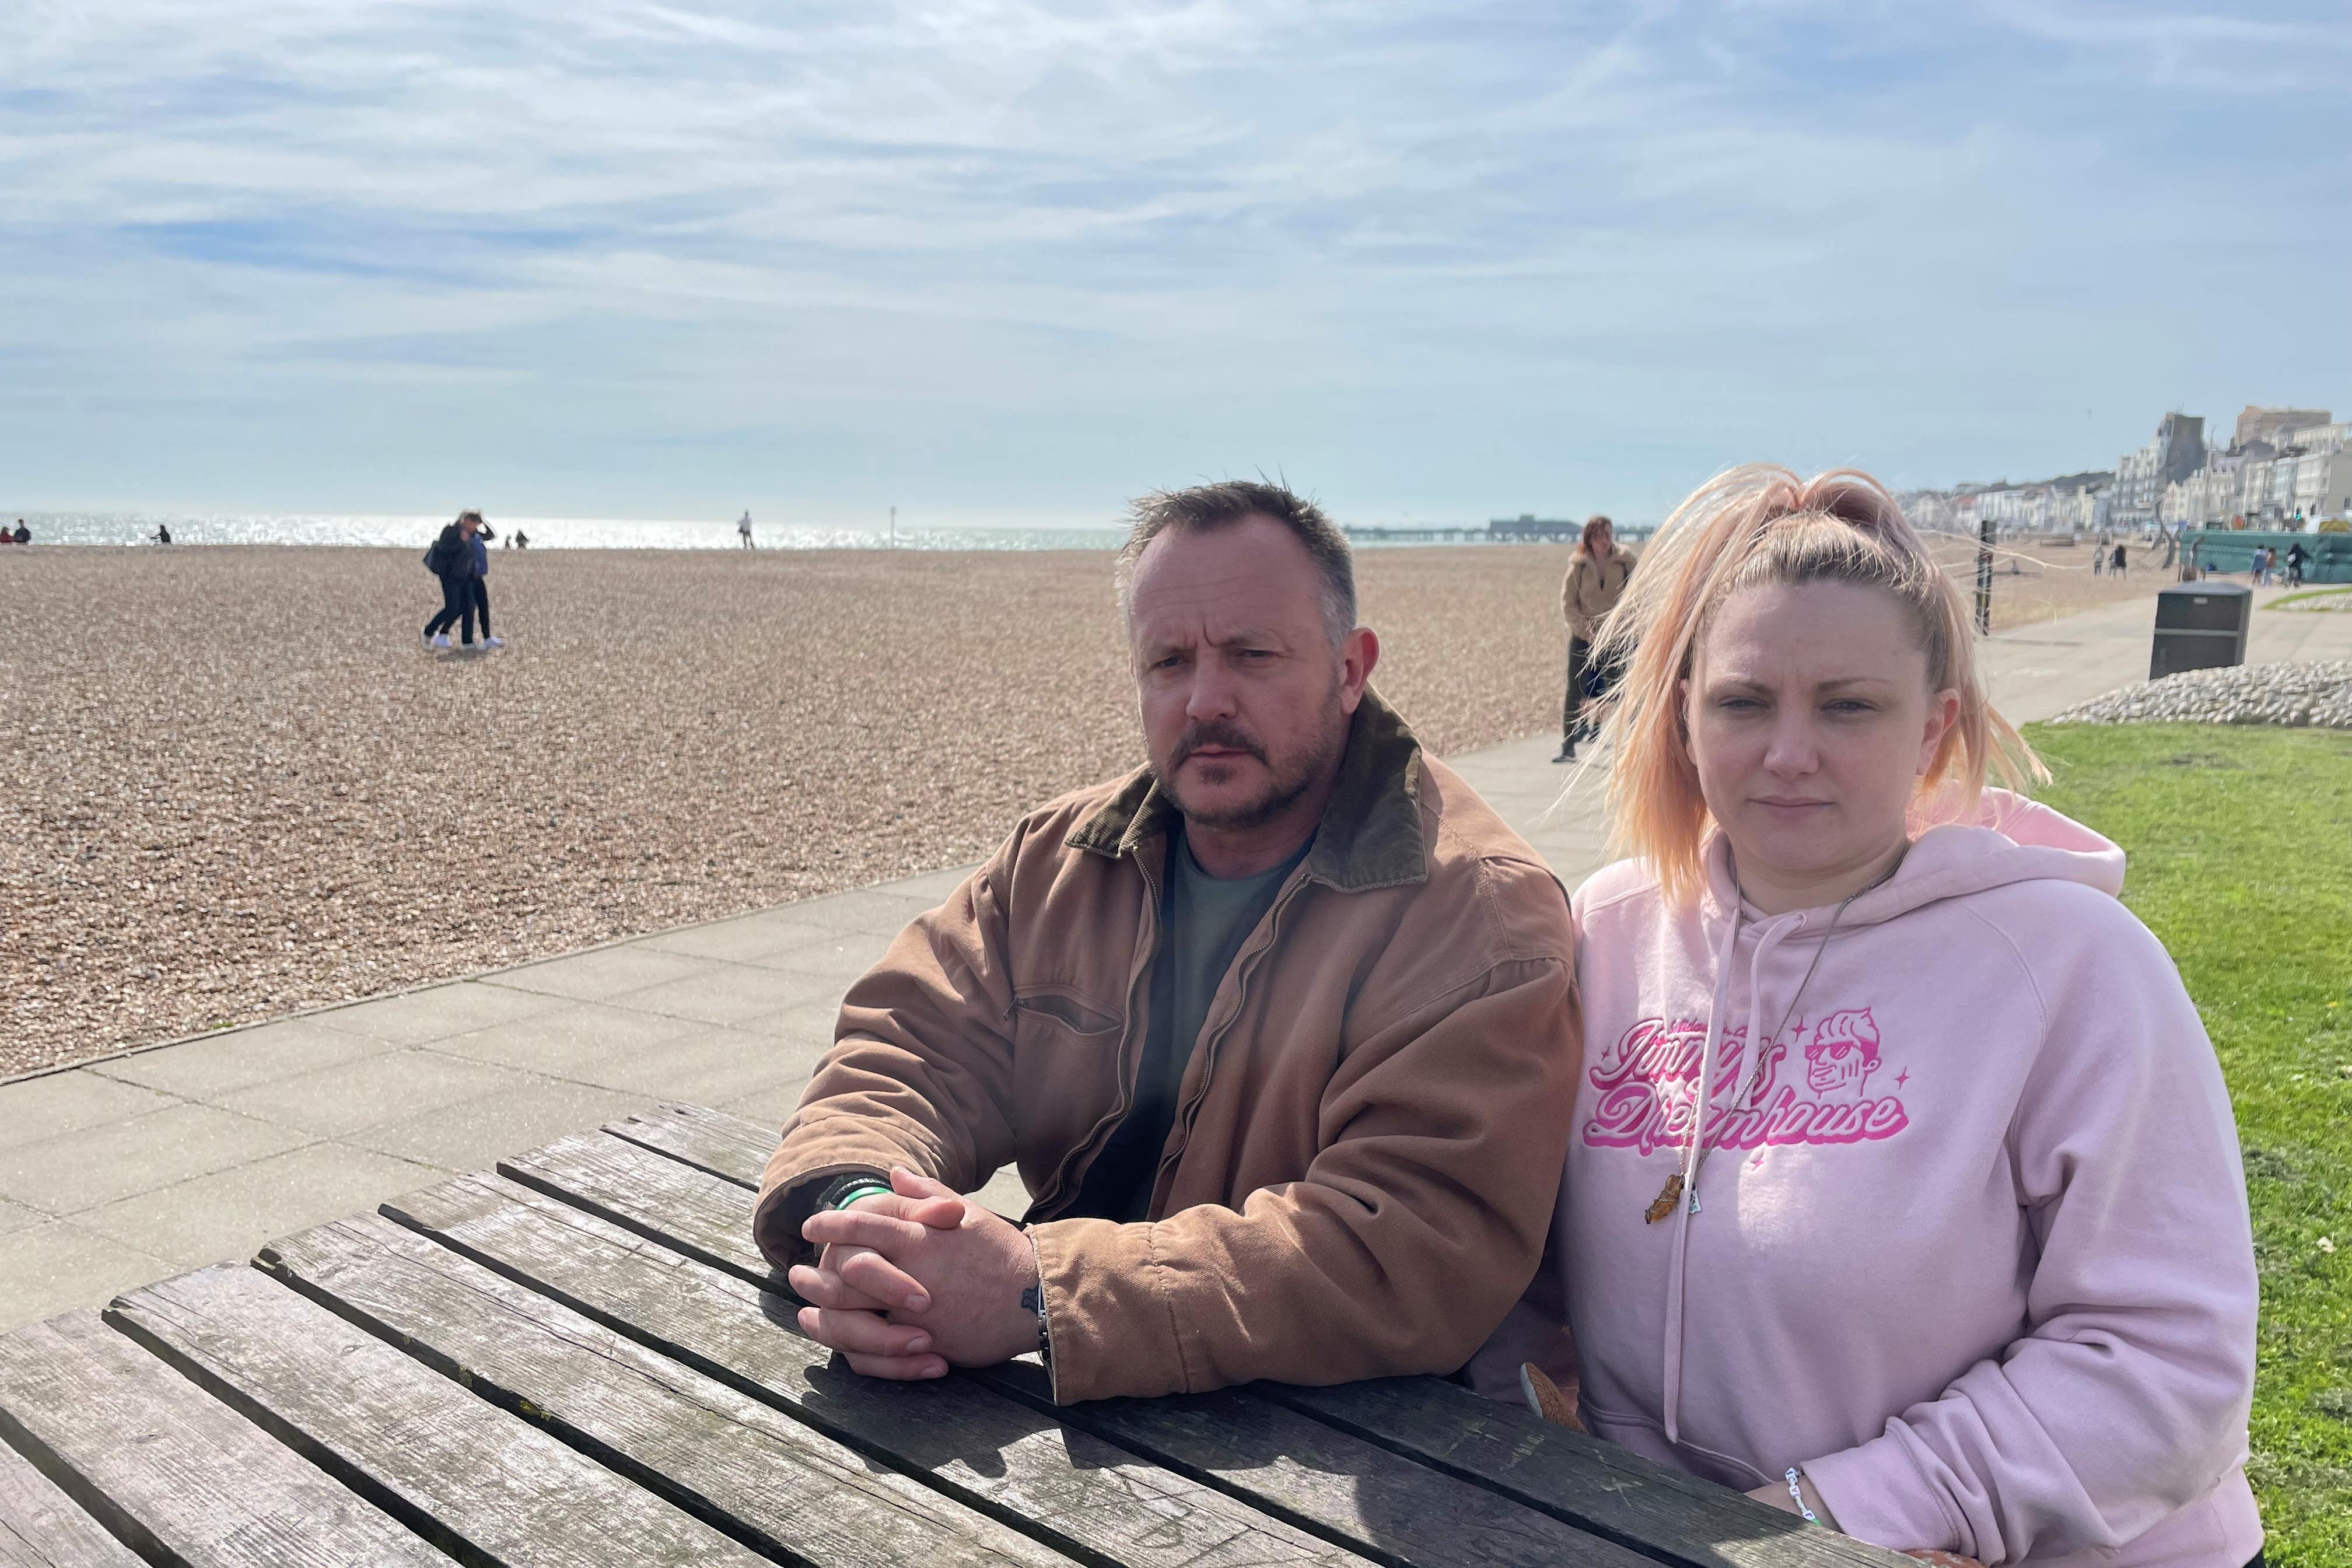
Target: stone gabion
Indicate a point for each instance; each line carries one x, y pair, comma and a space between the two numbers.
2316, 695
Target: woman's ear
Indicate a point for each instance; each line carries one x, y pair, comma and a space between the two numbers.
1943, 712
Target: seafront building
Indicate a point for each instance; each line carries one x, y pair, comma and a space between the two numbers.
2271, 475
2284, 468
2072, 504
2142, 476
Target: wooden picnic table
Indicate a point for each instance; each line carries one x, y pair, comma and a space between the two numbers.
581, 1359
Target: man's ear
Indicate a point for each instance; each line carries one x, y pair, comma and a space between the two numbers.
1360, 651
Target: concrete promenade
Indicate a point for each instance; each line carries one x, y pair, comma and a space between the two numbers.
137, 1167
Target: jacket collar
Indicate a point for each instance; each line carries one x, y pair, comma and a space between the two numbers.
1370, 835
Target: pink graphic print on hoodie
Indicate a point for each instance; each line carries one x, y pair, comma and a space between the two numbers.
1647, 1080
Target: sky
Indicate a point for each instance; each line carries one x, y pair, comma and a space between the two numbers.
994, 261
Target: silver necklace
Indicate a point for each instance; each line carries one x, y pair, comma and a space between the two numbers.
1670, 1193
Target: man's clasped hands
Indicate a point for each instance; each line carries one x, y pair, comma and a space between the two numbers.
912, 1281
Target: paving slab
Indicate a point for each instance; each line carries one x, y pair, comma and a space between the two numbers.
749, 939
418, 1017
222, 1064
876, 911
37, 1109
227, 1215
728, 993
602, 971
451, 1139
567, 1044
338, 1102
839, 960
58, 1266
14, 1218
707, 1067
94, 1165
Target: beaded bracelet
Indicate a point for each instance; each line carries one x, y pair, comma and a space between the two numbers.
1797, 1493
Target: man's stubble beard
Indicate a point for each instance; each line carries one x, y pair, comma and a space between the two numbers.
1282, 791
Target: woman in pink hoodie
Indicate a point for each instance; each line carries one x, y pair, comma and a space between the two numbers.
1952, 1251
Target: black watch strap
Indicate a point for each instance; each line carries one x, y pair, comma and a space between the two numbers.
848, 1182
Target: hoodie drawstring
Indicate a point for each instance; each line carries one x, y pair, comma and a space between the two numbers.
1678, 1261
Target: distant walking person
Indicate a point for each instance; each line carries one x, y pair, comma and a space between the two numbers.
2295, 556
743, 527
1597, 575
2098, 554
479, 595
2115, 563
451, 559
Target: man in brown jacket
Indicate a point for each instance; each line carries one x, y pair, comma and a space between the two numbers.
1281, 1029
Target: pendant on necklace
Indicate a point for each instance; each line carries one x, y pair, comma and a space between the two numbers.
1666, 1196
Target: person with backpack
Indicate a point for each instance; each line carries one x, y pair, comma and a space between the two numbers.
451, 559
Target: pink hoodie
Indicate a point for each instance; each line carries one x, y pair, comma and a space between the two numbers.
1971, 1247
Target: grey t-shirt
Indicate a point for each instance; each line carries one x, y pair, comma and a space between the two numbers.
1208, 919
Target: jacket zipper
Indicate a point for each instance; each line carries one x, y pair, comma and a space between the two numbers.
1245, 966
1128, 1051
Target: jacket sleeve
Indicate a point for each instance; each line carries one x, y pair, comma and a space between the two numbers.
920, 1073
1417, 1224
2126, 1397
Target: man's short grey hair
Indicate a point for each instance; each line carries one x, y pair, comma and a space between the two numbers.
1204, 509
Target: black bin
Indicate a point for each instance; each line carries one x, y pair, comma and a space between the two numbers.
2200, 626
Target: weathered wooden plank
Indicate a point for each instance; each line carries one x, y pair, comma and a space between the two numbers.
769, 1481
1321, 1478
706, 1216
41, 1527
172, 1472
456, 1469
724, 1145
1590, 1486
1073, 1491
1593, 1485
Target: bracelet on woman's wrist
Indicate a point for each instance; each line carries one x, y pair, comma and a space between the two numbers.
1796, 1495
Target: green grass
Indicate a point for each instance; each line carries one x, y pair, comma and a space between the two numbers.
2301, 600
2241, 846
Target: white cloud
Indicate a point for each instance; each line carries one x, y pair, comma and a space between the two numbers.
1448, 255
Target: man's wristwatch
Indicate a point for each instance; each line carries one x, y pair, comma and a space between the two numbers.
1033, 1298
844, 1189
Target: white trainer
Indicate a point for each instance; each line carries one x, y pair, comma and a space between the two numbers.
442, 641
491, 642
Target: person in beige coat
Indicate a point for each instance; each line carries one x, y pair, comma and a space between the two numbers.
1597, 575
1280, 1029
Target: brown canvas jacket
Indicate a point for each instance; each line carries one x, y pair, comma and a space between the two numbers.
1371, 1129
1591, 589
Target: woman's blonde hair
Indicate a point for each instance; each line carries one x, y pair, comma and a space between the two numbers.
1743, 529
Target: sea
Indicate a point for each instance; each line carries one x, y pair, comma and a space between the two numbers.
595, 532
544, 532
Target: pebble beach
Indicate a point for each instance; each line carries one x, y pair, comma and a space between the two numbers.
238, 787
